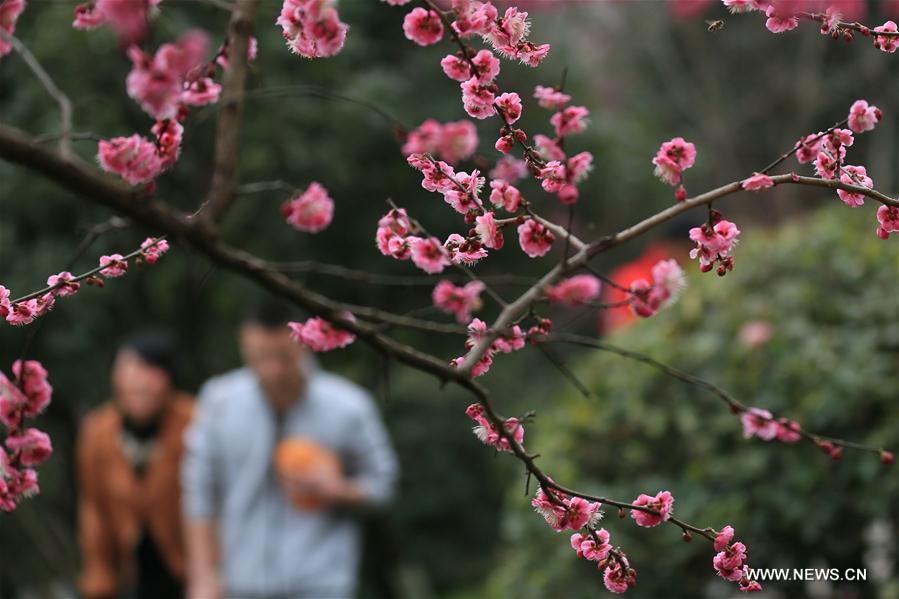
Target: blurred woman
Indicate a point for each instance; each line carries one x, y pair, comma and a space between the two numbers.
129, 455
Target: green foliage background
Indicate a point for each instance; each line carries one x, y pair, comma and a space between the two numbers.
460, 519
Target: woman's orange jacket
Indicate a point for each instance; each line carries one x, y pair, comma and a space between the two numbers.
115, 504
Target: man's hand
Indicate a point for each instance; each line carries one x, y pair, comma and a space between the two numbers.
205, 586
324, 487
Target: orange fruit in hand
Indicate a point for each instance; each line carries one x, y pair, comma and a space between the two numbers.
296, 458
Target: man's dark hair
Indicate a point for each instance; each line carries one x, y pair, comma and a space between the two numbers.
159, 349
270, 314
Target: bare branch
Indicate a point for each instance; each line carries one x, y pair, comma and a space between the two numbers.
65, 106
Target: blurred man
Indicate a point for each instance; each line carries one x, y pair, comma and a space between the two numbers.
129, 456
280, 461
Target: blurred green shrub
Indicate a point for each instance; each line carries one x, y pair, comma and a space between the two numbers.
828, 288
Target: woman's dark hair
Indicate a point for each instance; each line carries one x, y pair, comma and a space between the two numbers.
159, 349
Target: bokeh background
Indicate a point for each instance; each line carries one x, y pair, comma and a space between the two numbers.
809, 271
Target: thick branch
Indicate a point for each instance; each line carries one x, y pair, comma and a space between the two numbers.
227, 142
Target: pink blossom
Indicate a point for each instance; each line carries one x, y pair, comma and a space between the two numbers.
473, 17
487, 66
423, 26
570, 120
535, 239
156, 82
169, 134
886, 43
129, 19
510, 169
661, 503
854, 175
488, 433
756, 182
755, 333
759, 423
4, 301
808, 148
310, 211
723, 539
575, 291
550, 97
780, 19
32, 446
729, 562
456, 67
320, 335
133, 158
788, 431
618, 578
201, 92
478, 99
863, 117
825, 165
888, 218
509, 341
490, 235
458, 301
63, 283
312, 28
674, 156
587, 547
739, 6
548, 148
88, 17
34, 385
507, 35
580, 512
153, 249
429, 255
113, 265
505, 195
463, 196
452, 141
714, 243
393, 228
23, 313
553, 176
464, 251
510, 104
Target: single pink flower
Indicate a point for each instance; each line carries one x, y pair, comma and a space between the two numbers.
113, 265
32, 446
320, 335
575, 291
423, 26
310, 211
535, 239
756, 182
662, 503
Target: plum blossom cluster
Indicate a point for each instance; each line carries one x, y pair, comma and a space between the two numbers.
561, 174
312, 28
506, 342
715, 240
758, 422
673, 158
10, 11
452, 142
646, 298
575, 291
827, 151
129, 19
25, 396
506, 33
783, 15
310, 211
165, 85
460, 301
487, 432
566, 513
320, 335
730, 561
26, 310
